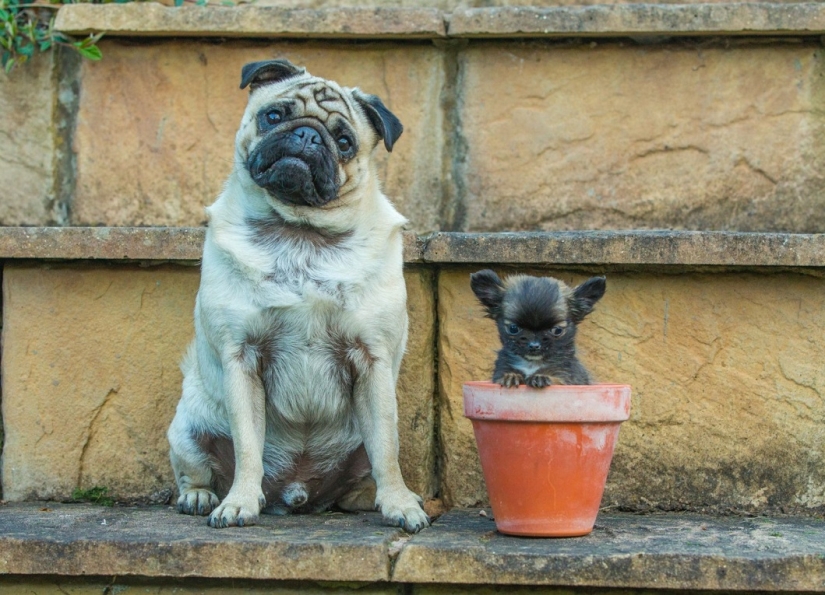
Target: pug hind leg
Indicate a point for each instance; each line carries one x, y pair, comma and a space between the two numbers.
192, 471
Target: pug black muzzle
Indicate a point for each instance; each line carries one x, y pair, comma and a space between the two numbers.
296, 164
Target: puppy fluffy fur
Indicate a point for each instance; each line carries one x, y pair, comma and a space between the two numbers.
288, 401
536, 319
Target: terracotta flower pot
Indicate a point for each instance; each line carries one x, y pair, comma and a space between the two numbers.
545, 453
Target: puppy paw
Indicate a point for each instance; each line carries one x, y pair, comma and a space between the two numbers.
540, 381
236, 511
198, 501
402, 508
511, 379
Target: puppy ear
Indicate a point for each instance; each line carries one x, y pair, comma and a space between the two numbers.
383, 120
268, 71
489, 290
585, 297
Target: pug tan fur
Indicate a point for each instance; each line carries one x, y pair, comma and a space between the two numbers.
288, 400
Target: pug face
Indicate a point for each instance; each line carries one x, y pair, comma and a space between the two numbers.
308, 141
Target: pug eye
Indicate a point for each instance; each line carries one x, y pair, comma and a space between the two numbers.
273, 117
513, 329
557, 331
344, 144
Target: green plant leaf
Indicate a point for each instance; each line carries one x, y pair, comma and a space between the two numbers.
8, 65
92, 52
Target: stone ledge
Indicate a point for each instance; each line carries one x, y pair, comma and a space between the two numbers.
77, 539
102, 243
156, 20
683, 248
122, 243
632, 20
627, 20
633, 248
672, 551
629, 551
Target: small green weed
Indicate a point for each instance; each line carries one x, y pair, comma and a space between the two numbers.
27, 27
95, 495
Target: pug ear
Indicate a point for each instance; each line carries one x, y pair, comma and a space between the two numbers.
266, 72
383, 120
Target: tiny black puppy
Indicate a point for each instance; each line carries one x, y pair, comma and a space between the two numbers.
536, 319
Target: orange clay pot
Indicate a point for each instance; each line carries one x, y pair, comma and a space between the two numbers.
546, 452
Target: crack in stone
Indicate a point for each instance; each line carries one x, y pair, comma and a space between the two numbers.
92, 432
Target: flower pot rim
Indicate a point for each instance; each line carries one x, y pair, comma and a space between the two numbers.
551, 388
592, 403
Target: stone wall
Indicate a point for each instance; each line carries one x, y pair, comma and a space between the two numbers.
728, 405
499, 135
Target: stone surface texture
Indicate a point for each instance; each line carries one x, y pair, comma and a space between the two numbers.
124, 585
125, 243
607, 136
27, 142
156, 124
678, 249
641, 248
740, 18
663, 552
91, 380
674, 551
158, 542
90, 377
399, 21
252, 21
102, 243
728, 408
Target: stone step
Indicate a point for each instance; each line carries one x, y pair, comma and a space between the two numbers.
718, 334
398, 23
672, 551
676, 249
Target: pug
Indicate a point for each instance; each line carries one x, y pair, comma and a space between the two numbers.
288, 401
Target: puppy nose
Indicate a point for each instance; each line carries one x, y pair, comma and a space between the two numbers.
309, 135
534, 346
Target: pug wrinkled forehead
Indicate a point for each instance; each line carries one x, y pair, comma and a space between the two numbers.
305, 140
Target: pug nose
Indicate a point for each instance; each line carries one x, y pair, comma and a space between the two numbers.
308, 135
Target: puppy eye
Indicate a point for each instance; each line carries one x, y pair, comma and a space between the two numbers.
273, 117
344, 144
557, 331
513, 329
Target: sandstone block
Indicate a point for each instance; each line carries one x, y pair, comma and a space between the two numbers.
622, 20
94, 586
606, 136
728, 393
252, 21
156, 124
91, 379
27, 142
